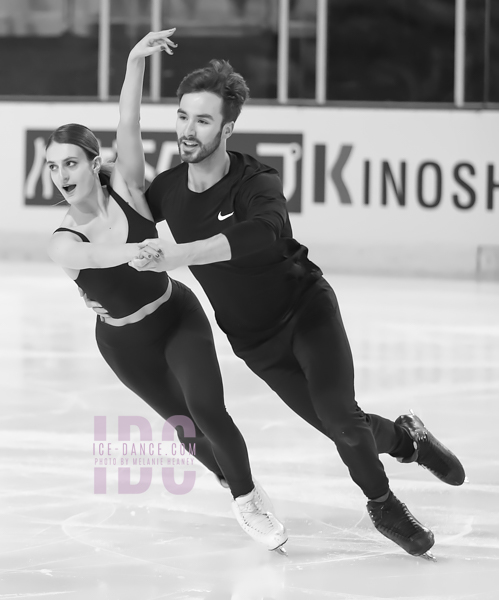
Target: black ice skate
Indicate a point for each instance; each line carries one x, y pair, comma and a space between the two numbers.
393, 519
430, 453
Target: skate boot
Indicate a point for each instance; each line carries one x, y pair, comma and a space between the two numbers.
430, 453
258, 523
393, 519
263, 502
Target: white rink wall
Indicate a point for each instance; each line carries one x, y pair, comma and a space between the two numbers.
400, 191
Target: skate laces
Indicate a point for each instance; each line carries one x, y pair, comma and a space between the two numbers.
261, 498
260, 502
429, 459
430, 453
393, 515
254, 517
406, 522
250, 506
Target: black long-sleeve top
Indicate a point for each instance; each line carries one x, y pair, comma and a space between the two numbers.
255, 291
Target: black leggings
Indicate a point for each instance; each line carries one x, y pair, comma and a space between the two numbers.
169, 360
309, 365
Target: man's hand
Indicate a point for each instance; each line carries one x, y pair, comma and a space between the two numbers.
95, 306
159, 255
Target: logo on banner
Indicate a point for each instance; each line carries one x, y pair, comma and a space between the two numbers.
401, 182
282, 151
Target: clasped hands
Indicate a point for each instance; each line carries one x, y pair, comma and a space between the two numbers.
158, 255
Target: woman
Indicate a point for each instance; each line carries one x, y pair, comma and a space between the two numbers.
156, 338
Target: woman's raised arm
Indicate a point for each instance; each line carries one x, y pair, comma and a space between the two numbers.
130, 161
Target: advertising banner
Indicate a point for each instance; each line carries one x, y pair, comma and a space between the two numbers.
281, 151
354, 178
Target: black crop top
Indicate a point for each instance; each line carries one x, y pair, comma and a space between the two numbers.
122, 290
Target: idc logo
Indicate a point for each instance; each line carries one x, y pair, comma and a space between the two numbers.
281, 151
144, 455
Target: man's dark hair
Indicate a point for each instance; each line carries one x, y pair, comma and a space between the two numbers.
219, 78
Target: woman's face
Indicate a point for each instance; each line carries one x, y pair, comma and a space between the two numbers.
72, 172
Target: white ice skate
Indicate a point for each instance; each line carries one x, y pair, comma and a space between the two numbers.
263, 502
258, 522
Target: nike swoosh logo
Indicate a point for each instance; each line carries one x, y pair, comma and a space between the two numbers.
222, 217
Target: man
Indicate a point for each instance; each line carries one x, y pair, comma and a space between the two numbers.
228, 216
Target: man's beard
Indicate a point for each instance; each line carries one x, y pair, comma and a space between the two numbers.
202, 151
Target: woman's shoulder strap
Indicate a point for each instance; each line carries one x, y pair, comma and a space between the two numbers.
83, 237
106, 180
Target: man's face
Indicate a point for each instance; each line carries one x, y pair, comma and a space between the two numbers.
199, 126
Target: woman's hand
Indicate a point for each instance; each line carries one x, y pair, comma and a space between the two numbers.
153, 42
159, 255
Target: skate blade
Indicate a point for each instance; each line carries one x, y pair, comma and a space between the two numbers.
429, 556
466, 480
280, 550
